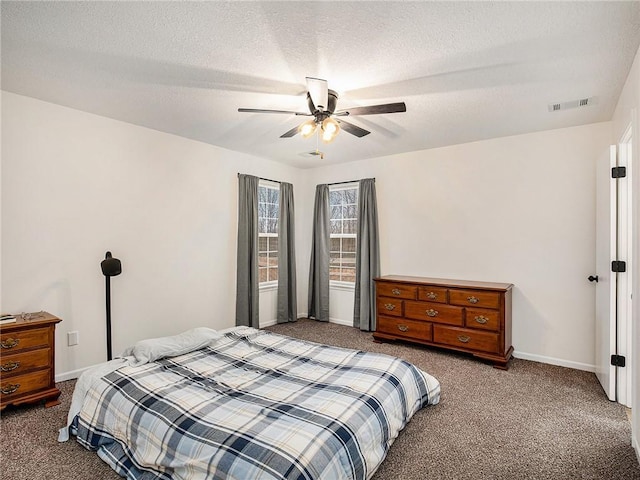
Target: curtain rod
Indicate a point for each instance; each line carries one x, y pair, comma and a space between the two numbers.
266, 179
347, 181
334, 183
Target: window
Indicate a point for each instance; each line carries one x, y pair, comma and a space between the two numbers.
343, 204
268, 210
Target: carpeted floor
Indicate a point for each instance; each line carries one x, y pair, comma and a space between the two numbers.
534, 421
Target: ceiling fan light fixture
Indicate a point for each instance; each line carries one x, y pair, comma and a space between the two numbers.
307, 128
330, 129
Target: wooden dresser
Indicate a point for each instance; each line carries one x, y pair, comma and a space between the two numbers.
27, 361
473, 317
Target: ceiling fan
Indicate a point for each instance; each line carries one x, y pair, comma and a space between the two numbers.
322, 107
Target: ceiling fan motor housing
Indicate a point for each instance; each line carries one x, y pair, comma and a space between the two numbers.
332, 100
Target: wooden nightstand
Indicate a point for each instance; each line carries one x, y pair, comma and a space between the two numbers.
27, 368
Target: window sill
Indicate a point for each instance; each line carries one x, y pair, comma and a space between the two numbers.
346, 286
267, 287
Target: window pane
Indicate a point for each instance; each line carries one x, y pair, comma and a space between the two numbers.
272, 225
348, 244
349, 260
348, 274
273, 274
262, 244
273, 244
334, 260
274, 195
351, 195
273, 259
336, 226
334, 244
351, 211
262, 194
336, 212
262, 275
262, 260
335, 197
334, 274
350, 226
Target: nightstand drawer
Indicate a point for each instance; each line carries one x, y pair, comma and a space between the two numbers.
21, 340
389, 306
434, 312
466, 338
474, 298
17, 363
433, 294
404, 328
397, 290
22, 384
483, 319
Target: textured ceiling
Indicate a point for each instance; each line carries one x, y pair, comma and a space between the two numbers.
466, 71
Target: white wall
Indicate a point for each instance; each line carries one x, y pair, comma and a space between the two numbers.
518, 209
75, 185
626, 113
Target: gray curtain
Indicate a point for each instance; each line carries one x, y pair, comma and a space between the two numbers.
367, 257
319, 271
247, 267
287, 302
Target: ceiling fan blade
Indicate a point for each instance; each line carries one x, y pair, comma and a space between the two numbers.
353, 129
374, 109
290, 133
319, 92
259, 110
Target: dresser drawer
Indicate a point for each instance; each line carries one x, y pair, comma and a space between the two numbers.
20, 340
404, 328
389, 306
433, 294
17, 363
466, 338
21, 384
434, 312
397, 290
474, 298
483, 319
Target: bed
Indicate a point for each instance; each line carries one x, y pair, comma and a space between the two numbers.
246, 404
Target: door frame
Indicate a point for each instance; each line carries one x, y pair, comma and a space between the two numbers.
624, 332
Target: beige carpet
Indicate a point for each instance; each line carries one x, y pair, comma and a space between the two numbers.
534, 421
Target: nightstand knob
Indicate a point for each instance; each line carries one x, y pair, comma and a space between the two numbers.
473, 299
395, 291
432, 295
10, 388
432, 313
10, 343
481, 319
11, 365
389, 306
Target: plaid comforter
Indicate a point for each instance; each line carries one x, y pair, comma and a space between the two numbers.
254, 405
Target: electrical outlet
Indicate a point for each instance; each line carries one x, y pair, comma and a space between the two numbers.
73, 338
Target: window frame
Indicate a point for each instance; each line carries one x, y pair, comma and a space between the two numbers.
268, 284
343, 284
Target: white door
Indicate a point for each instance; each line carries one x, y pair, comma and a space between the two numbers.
606, 213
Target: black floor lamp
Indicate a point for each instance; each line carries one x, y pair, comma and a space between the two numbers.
110, 268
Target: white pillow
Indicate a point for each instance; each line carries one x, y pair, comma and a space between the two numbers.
152, 349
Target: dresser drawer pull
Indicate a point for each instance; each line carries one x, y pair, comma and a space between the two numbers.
10, 342
389, 306
396, 291
473, 299
403, 328
11, 365
464, 338
432, 313
432, 295
481, 319
10, 388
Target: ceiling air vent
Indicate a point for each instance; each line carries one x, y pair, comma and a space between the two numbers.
583, 102
313, 153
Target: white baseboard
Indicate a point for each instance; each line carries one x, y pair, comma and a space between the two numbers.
555, 361
339, 321
61, 377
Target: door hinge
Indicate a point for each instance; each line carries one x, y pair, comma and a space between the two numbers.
618, 360
618, 266
618, 172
